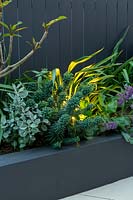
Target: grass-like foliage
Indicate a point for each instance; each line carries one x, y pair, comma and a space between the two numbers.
59, 109
50, 108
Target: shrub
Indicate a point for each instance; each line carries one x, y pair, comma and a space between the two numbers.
65, 108
22, 121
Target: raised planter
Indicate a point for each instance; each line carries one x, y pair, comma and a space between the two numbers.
45, 174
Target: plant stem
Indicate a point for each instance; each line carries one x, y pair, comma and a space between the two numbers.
11, 68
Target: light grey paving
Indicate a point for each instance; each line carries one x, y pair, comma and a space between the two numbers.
121, 190
83, 197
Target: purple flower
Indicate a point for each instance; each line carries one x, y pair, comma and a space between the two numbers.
123, 97
128, 92
110, 125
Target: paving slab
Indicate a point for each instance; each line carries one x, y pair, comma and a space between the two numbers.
83, 197
120, 190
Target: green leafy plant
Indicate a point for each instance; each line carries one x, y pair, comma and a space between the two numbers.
22, 122
59, 109
118, 114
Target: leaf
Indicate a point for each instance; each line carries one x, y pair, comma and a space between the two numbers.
77, 76
2, 121
87, 69
33, 125
16, 35
11, 95
111, 107
74, 63
6, 35
57, 145
53, 76
122, 122
56, 77
117, 46
104, 61
95, 80
17, 24
5, 25
23, 94
46, 121
5, 86
44, 128
50, 23
101, 99
126, 76
73, 140
127, 137
34, 41
21, 29
5, 3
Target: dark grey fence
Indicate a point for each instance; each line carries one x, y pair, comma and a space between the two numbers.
91, 24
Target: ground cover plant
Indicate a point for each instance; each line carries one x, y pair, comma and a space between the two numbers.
49, 108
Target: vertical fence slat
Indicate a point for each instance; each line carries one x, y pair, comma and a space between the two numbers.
52, 8
90, 30
77, 29
112, 11
122, 24
38, 17
65, 34
25, 15
11, 17
130, 35
101, 26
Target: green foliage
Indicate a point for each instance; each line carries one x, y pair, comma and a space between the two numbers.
5, 3
128, 136
62, 109
13, 30
22, 122
57, 130
88, 128
60, 18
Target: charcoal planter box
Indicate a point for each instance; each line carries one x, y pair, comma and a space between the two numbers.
46, 174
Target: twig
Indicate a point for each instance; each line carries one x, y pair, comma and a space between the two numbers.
10, 50
11, 68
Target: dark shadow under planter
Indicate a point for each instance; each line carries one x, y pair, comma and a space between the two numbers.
46, 174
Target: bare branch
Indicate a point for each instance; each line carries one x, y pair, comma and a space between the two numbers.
10, 50
11, 68
1, 56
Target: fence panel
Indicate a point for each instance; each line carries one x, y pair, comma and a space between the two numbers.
90, 30
25, 15
91, 25
11, 17
65, 34
130, 23
39, 16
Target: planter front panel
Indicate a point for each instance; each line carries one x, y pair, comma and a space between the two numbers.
43, 174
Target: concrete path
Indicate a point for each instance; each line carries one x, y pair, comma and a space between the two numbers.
121, 190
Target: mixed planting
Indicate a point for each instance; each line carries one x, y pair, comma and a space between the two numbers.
49, 108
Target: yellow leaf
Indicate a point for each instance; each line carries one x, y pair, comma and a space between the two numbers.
77, 76
74, 63
96, 80
86, 69
82, 117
